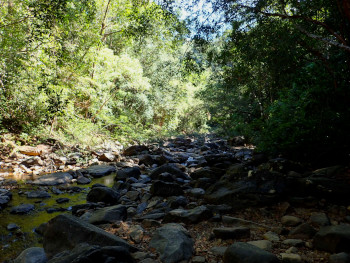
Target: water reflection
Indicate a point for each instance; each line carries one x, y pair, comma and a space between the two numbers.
11, 244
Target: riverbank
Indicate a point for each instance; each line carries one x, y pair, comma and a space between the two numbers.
211, 201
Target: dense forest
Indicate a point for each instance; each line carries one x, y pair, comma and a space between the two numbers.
277, 72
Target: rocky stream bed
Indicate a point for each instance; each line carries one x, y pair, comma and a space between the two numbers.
185, 200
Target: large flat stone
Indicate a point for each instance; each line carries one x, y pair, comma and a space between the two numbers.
333, 239
241, 252
97, 171
54, 179
109, 214
64, 232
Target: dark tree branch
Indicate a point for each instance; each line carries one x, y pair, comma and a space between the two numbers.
295, 17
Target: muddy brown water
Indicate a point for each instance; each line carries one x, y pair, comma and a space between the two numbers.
12, 243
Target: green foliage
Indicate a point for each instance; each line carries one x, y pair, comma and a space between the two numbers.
281, 76
92, 69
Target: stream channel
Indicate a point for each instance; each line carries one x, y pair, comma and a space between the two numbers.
15, 241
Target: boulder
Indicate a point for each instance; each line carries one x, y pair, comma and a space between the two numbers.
164, 189
262, 188
173, 243
64, 232
103, 194
32, 255
136, 234
339, 258
135, 150
263, 244
107, 157
54, 179
196, 192
207, 172
22, 209
241, 252
291, 258
147, 159
83, 180
5, 197
84, 253
303, 231
98, 171
218, 251
293, 242
125, 173
108, 214
193, 216
319, 219
333, 239
38, 194
290, 220
168, 168
12, 226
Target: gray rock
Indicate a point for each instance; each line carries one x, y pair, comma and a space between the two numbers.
38, 194
160, 188
291, 258
173, 243
263, 244
319, 219
194, 215
168, 168
232, 232
246, 253
303, 231
207, 172
103, 194
97, 171
154, 216
107, 157
62, 200
147, 159
5, 197
196, 192
293, 242
83, 180
12, 226
218, 251
128, 172
54, 179
108, 214
292, 250
271, 236
135, 150
32, 255
133, 195
22, 209
198, 259
333, 239
136, 234
140, 255
4, 200
64, 232
291, 221
339, 258
178, 201
91, 253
